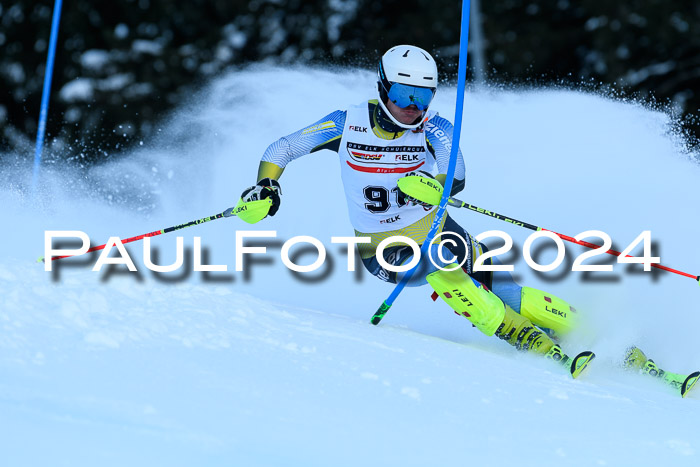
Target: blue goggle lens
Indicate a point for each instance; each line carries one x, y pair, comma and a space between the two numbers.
404, 95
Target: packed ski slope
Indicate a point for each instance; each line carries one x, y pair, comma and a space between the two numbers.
262, 367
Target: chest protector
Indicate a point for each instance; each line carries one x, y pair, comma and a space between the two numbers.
370, 167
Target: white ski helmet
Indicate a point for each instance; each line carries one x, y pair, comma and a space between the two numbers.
407, 75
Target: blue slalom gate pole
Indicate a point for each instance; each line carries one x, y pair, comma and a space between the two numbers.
461, 85
46, 94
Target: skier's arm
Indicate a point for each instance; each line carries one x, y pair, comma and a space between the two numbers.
323, 134
263, 199
269, 170
439, 135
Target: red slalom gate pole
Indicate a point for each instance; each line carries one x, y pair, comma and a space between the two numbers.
461, 204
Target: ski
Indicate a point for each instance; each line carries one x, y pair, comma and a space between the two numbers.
575, 365
580, 362
689, 383
636, 359
678, 381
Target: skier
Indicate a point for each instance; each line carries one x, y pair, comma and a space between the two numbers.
388, 149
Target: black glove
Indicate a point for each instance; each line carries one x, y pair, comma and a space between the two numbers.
265, 188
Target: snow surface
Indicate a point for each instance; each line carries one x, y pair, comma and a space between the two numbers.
181, 369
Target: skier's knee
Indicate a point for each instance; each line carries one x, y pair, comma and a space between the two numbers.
503, 285
547, 311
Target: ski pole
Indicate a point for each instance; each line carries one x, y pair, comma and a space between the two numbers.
227, 213
461, 204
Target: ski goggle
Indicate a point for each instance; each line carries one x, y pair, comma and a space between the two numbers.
404, 95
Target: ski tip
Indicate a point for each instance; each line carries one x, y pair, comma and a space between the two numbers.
40, 260
689, 383
580, 363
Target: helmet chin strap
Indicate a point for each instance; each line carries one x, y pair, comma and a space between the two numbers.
384, 114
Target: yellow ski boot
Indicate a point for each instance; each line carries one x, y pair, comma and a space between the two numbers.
486, 311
